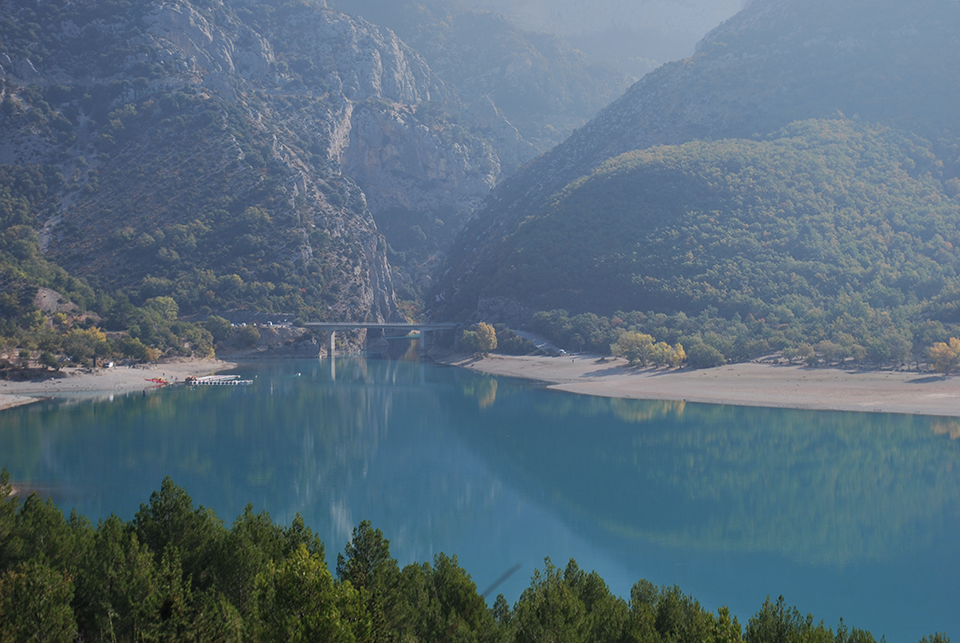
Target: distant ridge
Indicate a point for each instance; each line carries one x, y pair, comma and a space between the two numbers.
775, 62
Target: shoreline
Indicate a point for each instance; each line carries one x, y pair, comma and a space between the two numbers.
73, 383
746, 384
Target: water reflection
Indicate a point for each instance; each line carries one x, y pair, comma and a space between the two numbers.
832, 488
483, 389
733, 503
947, 426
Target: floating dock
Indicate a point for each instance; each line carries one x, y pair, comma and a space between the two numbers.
217, 380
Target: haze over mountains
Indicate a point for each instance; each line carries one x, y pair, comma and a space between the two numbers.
637, 35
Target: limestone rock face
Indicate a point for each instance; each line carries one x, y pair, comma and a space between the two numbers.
415, 167
228, 154
370, 62
211, 49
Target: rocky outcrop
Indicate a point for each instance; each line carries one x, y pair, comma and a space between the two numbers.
545, 87
411, 166
369, 62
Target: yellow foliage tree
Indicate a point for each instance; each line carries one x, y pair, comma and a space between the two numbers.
658, 354
482, 340
945, 357
679, 355
487, 337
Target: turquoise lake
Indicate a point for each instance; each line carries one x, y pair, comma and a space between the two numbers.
848, 515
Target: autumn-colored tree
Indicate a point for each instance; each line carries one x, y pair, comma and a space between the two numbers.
487, 337
483, 339
634, 346
945, 357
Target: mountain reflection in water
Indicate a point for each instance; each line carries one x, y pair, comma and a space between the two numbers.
845, 514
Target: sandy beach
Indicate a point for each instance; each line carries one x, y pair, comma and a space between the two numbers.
748, 384
741, 384
77, 383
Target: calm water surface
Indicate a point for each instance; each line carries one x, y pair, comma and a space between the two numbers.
845, 514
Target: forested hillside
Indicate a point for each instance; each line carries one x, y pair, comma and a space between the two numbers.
697, 192
223, 157
175, 572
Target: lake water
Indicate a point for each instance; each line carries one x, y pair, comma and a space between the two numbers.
845, 514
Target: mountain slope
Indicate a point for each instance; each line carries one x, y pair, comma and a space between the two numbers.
824, 210
775, 62
539, 82
234, 155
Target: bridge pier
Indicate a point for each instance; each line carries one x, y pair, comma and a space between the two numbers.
425, 328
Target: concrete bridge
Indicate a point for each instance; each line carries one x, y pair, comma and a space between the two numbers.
424, 328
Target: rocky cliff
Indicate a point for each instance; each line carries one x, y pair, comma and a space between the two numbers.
235, 155
544, 86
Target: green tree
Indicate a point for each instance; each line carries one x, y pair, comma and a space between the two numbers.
777, 623
116, 585
725, 629
133, 347
172, 601
49, 360
253, 541
296, 600
217, 620
366, 562
248, 335
607, 615
35, 604
368, 566
549, 610
8, 516
165, 307
39, 529
704, 356
82, 345
171, 520
219, 327
460, 603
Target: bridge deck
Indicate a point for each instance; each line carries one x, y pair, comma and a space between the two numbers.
359, 325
